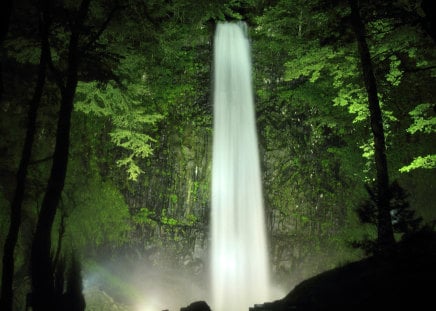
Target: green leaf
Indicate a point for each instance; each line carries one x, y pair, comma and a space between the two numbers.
395, 74
426, 162
424, 119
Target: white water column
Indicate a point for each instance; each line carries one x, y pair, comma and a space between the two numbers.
240, 265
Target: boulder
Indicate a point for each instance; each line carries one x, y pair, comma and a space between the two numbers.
197, 306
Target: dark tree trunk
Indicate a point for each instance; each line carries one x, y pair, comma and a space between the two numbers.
73, 299
5, 15
430, 18
385, 235
6, 298
41, 262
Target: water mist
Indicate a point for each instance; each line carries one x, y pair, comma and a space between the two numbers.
240, 265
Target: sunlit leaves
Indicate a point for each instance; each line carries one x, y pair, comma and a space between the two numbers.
368, 149
308, 63
132, 168
354, 98
394, 75
126, 108
138, 143
425, 162
424, 119
379, 28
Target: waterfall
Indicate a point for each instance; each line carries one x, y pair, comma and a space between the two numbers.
239, 258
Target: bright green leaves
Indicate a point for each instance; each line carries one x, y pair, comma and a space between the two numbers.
308, 63
426, 162
355, 99
132, 168
127, 110
169, 221
138, 144
313, 107
424, 119
90, 100
379, 28
395, 74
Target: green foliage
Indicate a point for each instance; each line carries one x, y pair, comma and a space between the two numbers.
169, 221
306, 62
126, 106
425, 162
355, 99
395, 74
139, 146
144, 216
404, 220
314, 118
94, 210
24, 50
424, 119
96, 215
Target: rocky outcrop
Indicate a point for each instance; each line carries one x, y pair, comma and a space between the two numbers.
197, 306
402, 281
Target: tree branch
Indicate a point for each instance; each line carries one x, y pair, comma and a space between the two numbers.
103, 27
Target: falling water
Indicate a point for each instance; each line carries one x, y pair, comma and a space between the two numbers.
240, 273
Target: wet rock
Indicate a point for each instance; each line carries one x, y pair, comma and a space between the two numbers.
197, 306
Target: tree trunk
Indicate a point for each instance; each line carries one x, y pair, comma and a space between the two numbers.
385, 235
5, 15
41, 262
6, 298
430, 18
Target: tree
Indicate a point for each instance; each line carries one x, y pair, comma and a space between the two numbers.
73, 299
41, 263
429, 23
384, 222
6, 10
6, 298
404, 219
310, 146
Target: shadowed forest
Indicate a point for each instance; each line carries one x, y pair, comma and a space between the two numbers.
106, 120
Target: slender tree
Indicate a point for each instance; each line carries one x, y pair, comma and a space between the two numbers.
385, 235
6, 299
429, 19
5, 14
73, 299
41, 262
